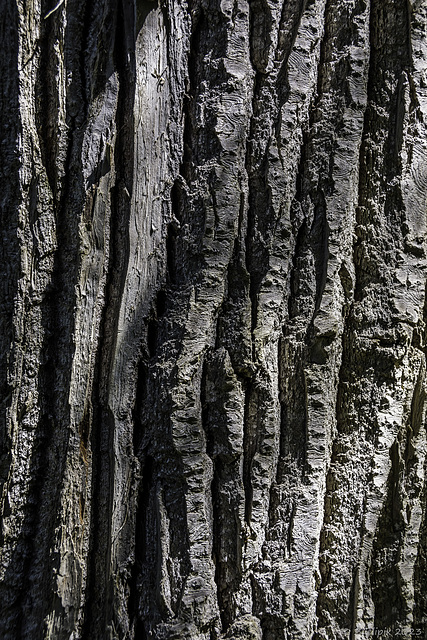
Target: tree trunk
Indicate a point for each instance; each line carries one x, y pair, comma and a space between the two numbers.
213, 351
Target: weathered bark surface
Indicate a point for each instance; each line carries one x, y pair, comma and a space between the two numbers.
213, 351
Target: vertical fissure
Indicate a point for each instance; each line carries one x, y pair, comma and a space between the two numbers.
189, 104
99, 611
248, 450
219, 386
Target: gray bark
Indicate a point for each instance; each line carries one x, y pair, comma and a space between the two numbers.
213, 351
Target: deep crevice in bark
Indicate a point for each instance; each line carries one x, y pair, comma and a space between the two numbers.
248, 451
386, 593
98, 612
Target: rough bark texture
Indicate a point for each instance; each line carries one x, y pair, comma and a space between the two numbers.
213, 349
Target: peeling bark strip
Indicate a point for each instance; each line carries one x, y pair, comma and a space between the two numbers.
213, 349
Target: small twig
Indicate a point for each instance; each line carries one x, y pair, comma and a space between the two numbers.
54, 9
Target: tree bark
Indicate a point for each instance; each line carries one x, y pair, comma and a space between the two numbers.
213, 349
